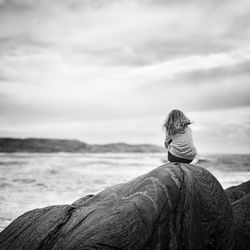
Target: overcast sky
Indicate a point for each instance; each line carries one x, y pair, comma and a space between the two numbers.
110, 70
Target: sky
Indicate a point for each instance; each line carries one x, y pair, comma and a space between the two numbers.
106, 71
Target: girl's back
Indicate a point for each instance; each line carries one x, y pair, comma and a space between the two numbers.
179, 139
182, 144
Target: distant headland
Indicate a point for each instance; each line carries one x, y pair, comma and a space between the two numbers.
41, 145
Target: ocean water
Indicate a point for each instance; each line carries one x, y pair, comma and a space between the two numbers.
29, 181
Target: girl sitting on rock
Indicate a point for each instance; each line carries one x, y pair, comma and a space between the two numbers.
179, 141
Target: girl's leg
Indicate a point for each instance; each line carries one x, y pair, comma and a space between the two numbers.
173, 158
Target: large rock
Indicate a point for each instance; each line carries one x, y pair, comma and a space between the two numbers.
175, 206
241, 222
239, 197
236, 192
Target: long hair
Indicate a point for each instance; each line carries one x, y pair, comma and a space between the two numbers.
176, 122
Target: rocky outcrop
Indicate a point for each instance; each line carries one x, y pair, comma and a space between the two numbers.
241, 222
175, 206
240, 201
236, 192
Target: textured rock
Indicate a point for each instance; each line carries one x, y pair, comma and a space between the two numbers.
241, 222
175, 206
239, 197
236, 192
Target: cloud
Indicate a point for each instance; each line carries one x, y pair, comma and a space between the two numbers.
194, 63
222, 131
85, 65
197, 82
118, 33
50, 89
203, 76
150, 30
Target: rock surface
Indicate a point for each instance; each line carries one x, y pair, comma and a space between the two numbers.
175, 206
236, 192
240, 201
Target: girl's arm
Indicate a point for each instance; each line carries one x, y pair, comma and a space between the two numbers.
168, 140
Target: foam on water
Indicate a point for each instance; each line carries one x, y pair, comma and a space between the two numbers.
29, 181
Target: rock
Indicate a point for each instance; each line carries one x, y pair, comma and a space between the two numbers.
239, 197
175, 206
236, 192
241, 222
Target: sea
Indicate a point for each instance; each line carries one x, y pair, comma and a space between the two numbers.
35, 180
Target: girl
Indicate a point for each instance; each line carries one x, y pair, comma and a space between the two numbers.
179, 141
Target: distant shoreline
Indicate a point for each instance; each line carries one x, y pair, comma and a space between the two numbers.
41, 145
